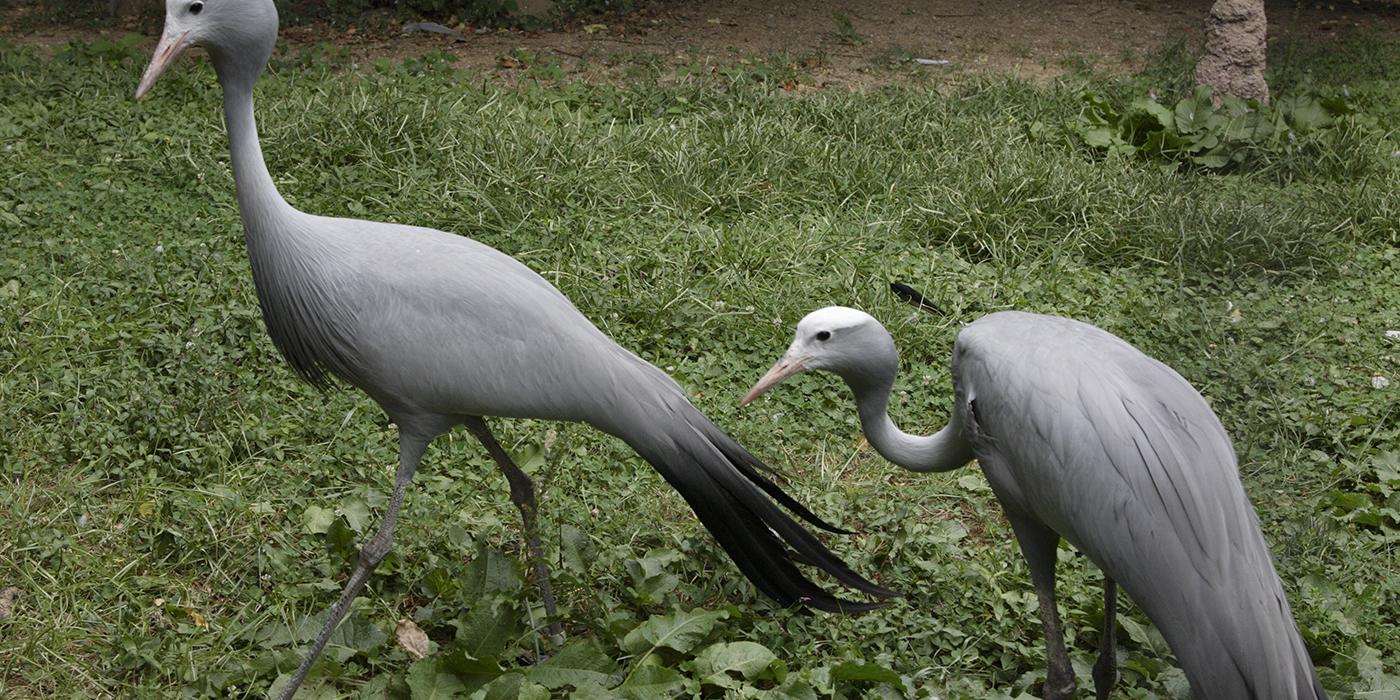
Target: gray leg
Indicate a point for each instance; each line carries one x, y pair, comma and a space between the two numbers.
522, 494
1106, 668
1038, 544
410, 452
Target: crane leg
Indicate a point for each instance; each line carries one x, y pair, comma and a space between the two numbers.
410, 453
1106, 668
522, 494
1038, 545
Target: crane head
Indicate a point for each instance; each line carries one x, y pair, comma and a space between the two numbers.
238, 34
845, 341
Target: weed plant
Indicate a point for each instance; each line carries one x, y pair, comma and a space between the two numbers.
176, 509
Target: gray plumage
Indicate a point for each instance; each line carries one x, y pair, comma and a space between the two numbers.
1082, 436
441, 330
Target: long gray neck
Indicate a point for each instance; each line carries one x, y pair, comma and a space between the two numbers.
259, 202
942, 451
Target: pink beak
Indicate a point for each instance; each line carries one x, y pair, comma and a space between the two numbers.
169, 47
785, 368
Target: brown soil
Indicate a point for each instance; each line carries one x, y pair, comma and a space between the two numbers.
1031, 38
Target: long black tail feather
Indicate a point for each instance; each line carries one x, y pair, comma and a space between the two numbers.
750, 467
912, 296
792, 532
720, 480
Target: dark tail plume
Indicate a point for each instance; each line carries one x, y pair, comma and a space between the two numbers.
912, 296
724, 485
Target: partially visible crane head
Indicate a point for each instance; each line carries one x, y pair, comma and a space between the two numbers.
238, 34
847, 342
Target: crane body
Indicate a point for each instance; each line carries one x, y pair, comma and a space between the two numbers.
441, 331
1084, 437
1081, 434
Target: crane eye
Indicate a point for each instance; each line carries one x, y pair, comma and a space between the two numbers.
196, 8
823, 335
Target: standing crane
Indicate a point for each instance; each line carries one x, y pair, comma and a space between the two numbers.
1084, 437
441, 330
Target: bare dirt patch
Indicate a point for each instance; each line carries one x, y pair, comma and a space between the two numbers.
829, 43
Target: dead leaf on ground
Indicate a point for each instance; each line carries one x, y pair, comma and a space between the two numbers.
7, 602
412, 639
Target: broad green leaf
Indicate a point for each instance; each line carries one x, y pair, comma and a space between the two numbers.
317, 520
473, 672
311, 688
577, 664
681, 632
1151, 115
651, 681
748, 659
1145, 635
529, 457
489, 573
440, 582
1379, 685
356, 513
1211, 160
849, 671
1348, 502
793, 690
1100, 137
649, 575
1099, 106
459, 537
505, 687
376, 689
947, 532
1189, 112
1249, 127
656, 561
653, 590
973, 482
532, 691
1305, 114
576, 548
1205, 142
488, 628
1387, 468
1174, 680
340, 541
355, 635
592, 691
1162, 144
1234, 106
426, 681
273, 633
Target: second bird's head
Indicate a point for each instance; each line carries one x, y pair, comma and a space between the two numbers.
238, 34
846, 342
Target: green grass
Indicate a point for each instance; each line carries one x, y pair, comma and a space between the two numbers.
176, 506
